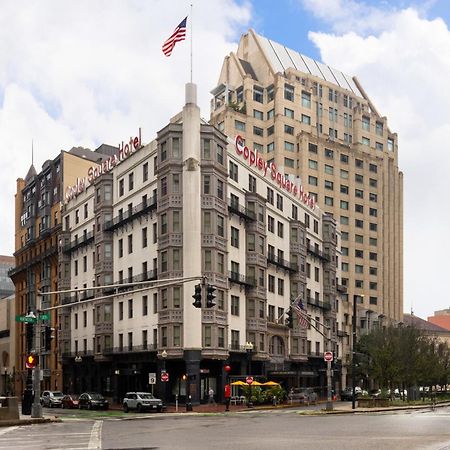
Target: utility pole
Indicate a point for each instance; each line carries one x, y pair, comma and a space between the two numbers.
329, 406
355, 299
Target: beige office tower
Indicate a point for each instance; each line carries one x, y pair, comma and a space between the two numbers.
319, 127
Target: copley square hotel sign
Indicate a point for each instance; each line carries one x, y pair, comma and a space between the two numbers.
125, 150
253, 158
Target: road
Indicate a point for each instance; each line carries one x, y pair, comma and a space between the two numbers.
283, 429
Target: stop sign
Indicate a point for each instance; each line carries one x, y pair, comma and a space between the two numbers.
164, 377
328, 356
249, 380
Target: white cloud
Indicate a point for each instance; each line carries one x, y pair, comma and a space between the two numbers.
84, 73
404, 66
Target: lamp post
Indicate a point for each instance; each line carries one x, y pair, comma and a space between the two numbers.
355, 299
163, 370
5, 382
249, 349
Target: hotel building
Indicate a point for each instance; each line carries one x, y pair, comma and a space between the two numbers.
322, 130
195, 207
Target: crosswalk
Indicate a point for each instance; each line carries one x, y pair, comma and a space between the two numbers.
53, 436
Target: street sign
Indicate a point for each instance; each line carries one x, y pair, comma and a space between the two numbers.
44, 316
249, 380
152, 378
328, 356
164, 377
25, 319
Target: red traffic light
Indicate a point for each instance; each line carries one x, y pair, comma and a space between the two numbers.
30, 362
227, 368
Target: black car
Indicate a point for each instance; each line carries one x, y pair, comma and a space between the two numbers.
92, 400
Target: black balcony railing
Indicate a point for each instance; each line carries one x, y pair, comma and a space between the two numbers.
241, 211
133, 349
319, 304
145, 276
280, 262
85, 239
130, 214
236, 277
317, 252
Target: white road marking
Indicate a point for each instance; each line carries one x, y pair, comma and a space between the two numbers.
96, 435
7, 430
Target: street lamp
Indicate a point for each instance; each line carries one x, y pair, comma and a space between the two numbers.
249, 349
355, 299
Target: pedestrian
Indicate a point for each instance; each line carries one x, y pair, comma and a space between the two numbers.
211, 396
227, 397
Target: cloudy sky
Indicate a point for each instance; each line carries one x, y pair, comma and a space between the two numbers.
92, 71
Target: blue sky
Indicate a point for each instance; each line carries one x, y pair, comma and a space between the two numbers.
105, 76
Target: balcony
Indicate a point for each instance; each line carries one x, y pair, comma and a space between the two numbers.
316, 252
319, 304
78, 242
273, 259
236, 277
341, 288
130, 214
151, 275
235, 208
236, 347
341, 333
128, 349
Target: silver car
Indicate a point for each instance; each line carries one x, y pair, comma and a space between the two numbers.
52, 399
141, 401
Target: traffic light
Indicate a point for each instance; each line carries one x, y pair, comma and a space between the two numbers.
31, 361
29, 332
289, 318
48, 338
197, 296
210, 296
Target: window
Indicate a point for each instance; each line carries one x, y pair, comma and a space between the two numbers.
233, 171
359, 208
220, 154
239, 125
344, 267
258, 131
288, 129
220, 226
373, 227
144, 305
306, 119
163, 151
316, 273
280, 286
312, 164
120, 310
121, 187
359, 193
329, 153
280, 202
294, 212
163, 186
271, 284
289, 113
312, 180
220, 189
359, 284
130, 243
365, 141
271, 224
120, 250
390, 144
130, 309
131, 181
258, 114
344, 189
270, 196
359, 178
206, 148
289, 92
373, 256
234, 305
379, 146
365, 123
359, 163
328, 185
271, 114
280, 229
234, 237
289, 146
312, 148
373, 168
258, 94
373, 182
373, 285
288, 162
206, 184
329, 201
344, 220
306, 99
379, 128
373, 300
359, 268
344, 204
251, 183
373, 271
359, 223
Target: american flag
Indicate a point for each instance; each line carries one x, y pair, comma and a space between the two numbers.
178, 35
302, 316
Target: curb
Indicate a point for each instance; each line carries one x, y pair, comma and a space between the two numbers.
19, 422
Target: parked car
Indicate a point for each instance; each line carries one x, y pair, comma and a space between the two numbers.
92, 400
70, 401
52, 399
302, 395
347, 393
141, 401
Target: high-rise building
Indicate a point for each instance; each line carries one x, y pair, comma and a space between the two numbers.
37, 228
318, 125
6, 284
190, 209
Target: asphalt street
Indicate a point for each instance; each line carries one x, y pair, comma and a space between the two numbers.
281, 429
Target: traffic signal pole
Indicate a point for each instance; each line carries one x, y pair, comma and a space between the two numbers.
36, 408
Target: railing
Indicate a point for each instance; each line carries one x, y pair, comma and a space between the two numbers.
235, 347
130, 214
236, 277
319, 304
127, 349
79, 241
316, 252
241, 211
341, 288
145, 276
78, 353
341, 333
273, 259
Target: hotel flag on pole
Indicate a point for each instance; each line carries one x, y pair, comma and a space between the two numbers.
178, 35
303, 319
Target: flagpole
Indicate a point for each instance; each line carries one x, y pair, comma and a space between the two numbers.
192, 28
